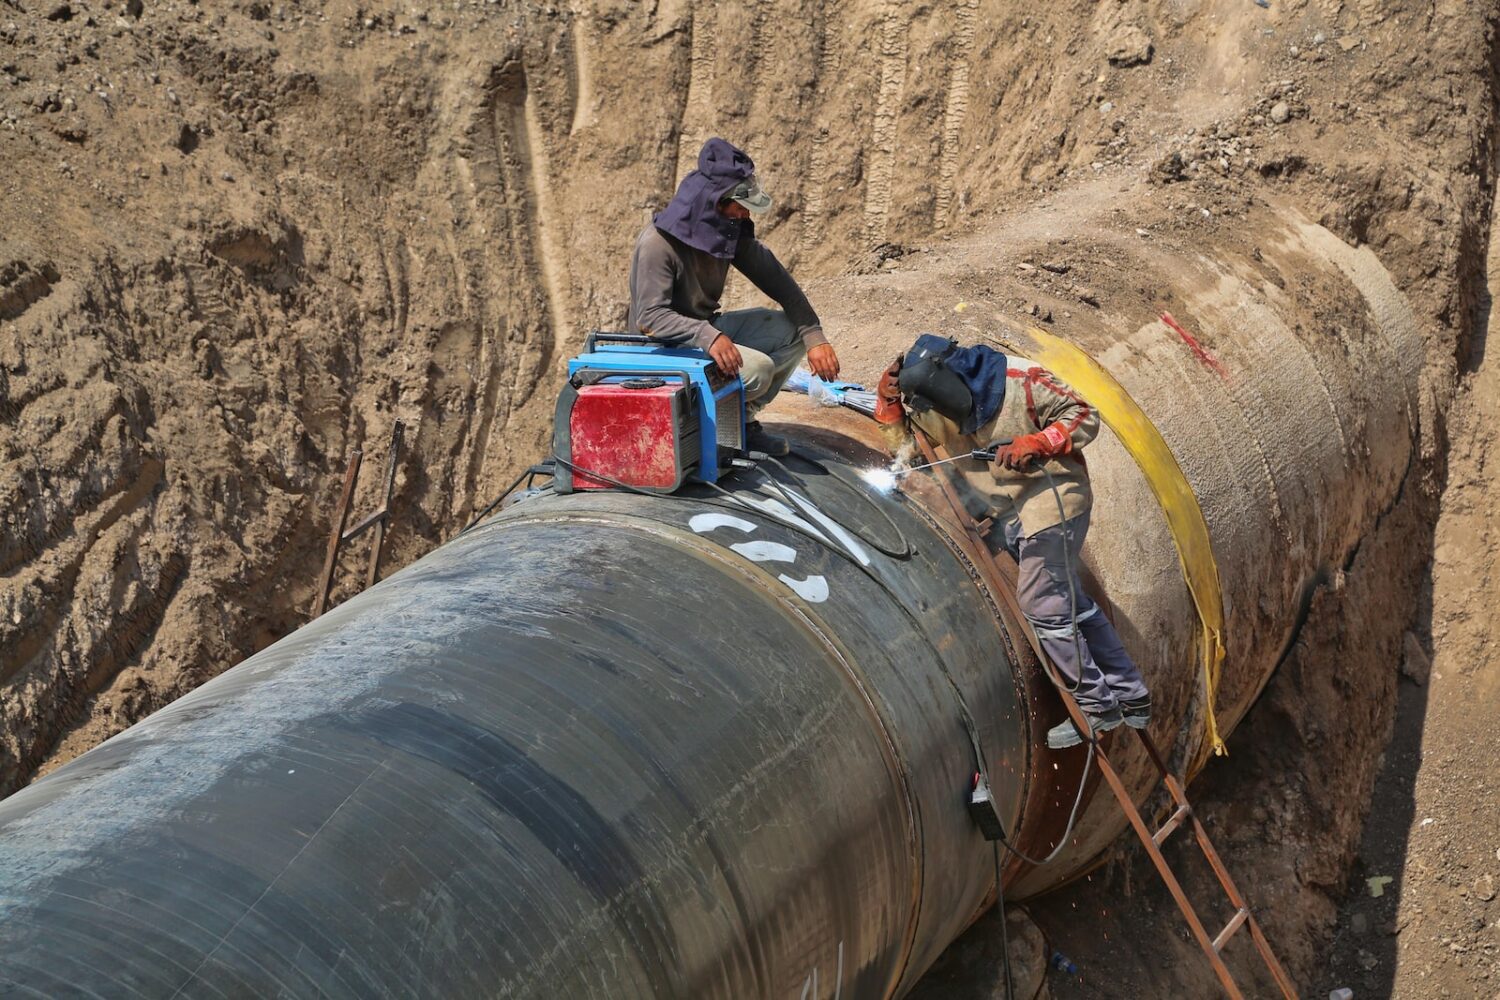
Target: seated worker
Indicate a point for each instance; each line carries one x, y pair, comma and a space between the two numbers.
677, 277
972, 398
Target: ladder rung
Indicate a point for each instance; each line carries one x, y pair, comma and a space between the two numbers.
1235, 922
1171, 825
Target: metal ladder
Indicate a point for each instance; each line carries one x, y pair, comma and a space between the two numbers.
377, 520
1004, 589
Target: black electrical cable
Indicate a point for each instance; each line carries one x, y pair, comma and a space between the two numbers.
1052, 675
796, 503
905, 552
735, 504
971, 727
540, 469
966, 718
1010, 985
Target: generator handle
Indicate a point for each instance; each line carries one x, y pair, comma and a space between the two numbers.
594, 336
607, 372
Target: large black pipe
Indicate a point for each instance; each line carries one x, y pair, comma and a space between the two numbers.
602, 746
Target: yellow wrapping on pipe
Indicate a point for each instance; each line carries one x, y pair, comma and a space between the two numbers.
1184, 516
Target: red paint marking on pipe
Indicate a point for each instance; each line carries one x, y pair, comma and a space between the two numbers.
1199, 351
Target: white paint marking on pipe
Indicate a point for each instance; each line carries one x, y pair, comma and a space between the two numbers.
814, 589
782, 512
765, 551
704, 523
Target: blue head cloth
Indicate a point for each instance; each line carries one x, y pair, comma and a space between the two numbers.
981, 369
693, 214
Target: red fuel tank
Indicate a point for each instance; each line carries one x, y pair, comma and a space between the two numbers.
637, 431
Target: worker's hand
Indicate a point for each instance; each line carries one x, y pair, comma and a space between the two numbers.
888, 408
726, 355
823, 362
1019, 454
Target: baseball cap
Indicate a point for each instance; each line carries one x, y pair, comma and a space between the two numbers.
748, 193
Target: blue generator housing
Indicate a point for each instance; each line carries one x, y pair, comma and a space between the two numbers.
707, 431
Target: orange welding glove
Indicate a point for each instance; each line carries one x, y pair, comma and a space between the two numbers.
1050, 442
888, 408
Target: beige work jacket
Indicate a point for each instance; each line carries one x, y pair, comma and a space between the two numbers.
1034, 399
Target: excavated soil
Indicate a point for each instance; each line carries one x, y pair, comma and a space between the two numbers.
240, 240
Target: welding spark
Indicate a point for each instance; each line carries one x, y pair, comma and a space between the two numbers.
880, 480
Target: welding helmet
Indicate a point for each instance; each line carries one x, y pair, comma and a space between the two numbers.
927, 383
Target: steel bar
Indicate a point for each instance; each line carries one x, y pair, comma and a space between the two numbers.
377, 544
340, 518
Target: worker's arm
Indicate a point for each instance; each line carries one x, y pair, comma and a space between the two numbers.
653, 273
1064, 420
1057, 409
890, 415
755, 261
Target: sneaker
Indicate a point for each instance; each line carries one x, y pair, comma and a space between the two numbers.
1137, 712
1065, 734
757, 438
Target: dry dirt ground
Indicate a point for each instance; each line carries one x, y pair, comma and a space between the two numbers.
239, 239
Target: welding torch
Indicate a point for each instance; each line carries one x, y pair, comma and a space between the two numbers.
981, 454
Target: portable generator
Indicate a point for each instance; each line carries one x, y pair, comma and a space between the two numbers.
637, 413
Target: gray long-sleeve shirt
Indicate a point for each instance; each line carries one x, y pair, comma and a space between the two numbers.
675, 289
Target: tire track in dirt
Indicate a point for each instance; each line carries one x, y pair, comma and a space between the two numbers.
582, 78
698, 113
58, 575
815, 186
398, 274
893, 46
954, 110
762, 43
535, 176
513, 170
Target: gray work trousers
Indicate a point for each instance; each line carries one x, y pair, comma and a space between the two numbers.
770, 347
1090, 657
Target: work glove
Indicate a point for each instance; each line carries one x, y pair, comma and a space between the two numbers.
1020, 453
888, 408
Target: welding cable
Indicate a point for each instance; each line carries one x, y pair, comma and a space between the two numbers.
966, 717
1010, 985
540, 469
796, 503
1060, 682
734, 503
906, 551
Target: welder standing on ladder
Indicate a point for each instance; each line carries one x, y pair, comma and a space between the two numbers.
975, 398
677, 275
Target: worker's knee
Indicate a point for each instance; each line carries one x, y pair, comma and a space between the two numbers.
1056, 620
765, 330
757, 370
